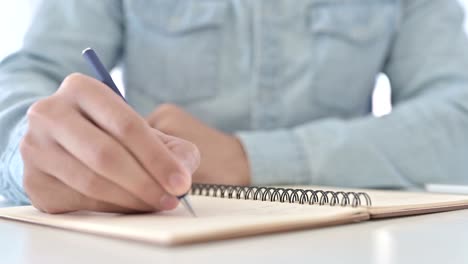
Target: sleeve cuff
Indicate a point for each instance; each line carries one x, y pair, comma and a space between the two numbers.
11, 166
281, 148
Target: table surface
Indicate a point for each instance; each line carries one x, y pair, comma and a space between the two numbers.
433, 238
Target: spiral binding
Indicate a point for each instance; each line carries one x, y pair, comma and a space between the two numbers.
289, 195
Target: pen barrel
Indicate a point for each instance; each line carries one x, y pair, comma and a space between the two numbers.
100, 70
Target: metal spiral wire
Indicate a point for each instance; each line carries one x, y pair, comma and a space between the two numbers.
289, 195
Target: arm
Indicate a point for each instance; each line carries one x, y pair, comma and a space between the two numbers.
423, 140
51, 51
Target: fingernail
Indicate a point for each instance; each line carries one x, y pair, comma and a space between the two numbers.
178, 182
168, 202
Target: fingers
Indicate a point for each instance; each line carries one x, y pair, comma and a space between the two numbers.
105, 156
85, 149
117, 119
186, 152
72, 172
50, 195
170, 123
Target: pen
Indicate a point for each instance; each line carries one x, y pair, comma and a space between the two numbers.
104, 76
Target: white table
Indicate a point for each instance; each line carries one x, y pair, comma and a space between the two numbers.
435, 238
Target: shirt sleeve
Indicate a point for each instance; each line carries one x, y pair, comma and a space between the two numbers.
424, 139
51, 50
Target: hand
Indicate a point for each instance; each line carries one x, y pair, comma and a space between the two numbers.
86, 149
223, 160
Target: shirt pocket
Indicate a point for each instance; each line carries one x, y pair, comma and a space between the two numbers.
349, 42
181, 43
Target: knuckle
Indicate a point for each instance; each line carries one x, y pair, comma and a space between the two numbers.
39, 108
167, 109
74, 84
72, 79
104, 156
127, 127
165, 125
166, 118
48, 109
164, 111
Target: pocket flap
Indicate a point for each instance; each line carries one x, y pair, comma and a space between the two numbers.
179, 16
361, 21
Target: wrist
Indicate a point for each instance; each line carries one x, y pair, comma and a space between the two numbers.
242, 165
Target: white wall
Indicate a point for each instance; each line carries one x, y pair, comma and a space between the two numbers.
15, 16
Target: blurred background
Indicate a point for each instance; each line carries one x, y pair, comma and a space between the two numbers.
15, 18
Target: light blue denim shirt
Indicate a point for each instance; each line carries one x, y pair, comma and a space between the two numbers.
293, 79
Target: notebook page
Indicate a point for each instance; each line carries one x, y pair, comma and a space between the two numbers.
389, 203
398, 203
217, 219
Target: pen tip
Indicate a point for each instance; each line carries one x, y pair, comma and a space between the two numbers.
188, 206
192, 212
190, 209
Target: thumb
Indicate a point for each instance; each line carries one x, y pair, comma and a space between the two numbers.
185, 152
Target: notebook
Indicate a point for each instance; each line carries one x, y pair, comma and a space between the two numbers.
225, 212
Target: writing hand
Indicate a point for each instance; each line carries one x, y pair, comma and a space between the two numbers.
86, 149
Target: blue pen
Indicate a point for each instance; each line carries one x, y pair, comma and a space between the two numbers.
104, 76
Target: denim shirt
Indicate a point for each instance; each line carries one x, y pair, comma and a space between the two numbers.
292, 79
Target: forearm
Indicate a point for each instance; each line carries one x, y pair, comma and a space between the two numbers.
420, 142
